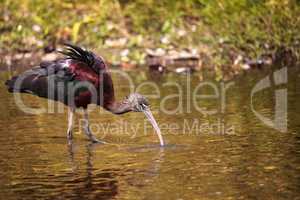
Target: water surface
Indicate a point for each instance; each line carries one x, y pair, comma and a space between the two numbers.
249, 160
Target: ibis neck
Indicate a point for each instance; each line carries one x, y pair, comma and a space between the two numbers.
118, 107
108, 97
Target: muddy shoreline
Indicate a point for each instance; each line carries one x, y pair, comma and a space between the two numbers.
181, 62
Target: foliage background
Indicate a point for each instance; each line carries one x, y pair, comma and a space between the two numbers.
221, 29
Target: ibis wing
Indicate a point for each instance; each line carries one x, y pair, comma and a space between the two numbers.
50, 80
90, 60
54, 79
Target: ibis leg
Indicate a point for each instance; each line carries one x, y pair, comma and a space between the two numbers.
87, 130
70, 124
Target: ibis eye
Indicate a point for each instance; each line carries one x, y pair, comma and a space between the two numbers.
143, 106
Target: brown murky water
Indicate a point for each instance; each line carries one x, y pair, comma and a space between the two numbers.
230, 154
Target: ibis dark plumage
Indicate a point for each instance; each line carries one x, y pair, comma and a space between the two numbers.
77, 80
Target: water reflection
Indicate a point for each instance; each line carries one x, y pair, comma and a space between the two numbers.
104, 184
94, 184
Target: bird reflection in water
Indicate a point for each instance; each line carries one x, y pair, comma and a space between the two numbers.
104, 184
94, 184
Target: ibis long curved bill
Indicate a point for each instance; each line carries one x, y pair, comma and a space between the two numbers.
151, 119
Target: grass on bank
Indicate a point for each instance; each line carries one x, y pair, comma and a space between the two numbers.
221, 29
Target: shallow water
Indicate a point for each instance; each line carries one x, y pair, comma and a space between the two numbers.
230, 154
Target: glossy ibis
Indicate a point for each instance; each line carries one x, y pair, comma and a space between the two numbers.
77, 80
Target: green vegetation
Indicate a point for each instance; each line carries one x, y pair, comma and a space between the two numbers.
221, 29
